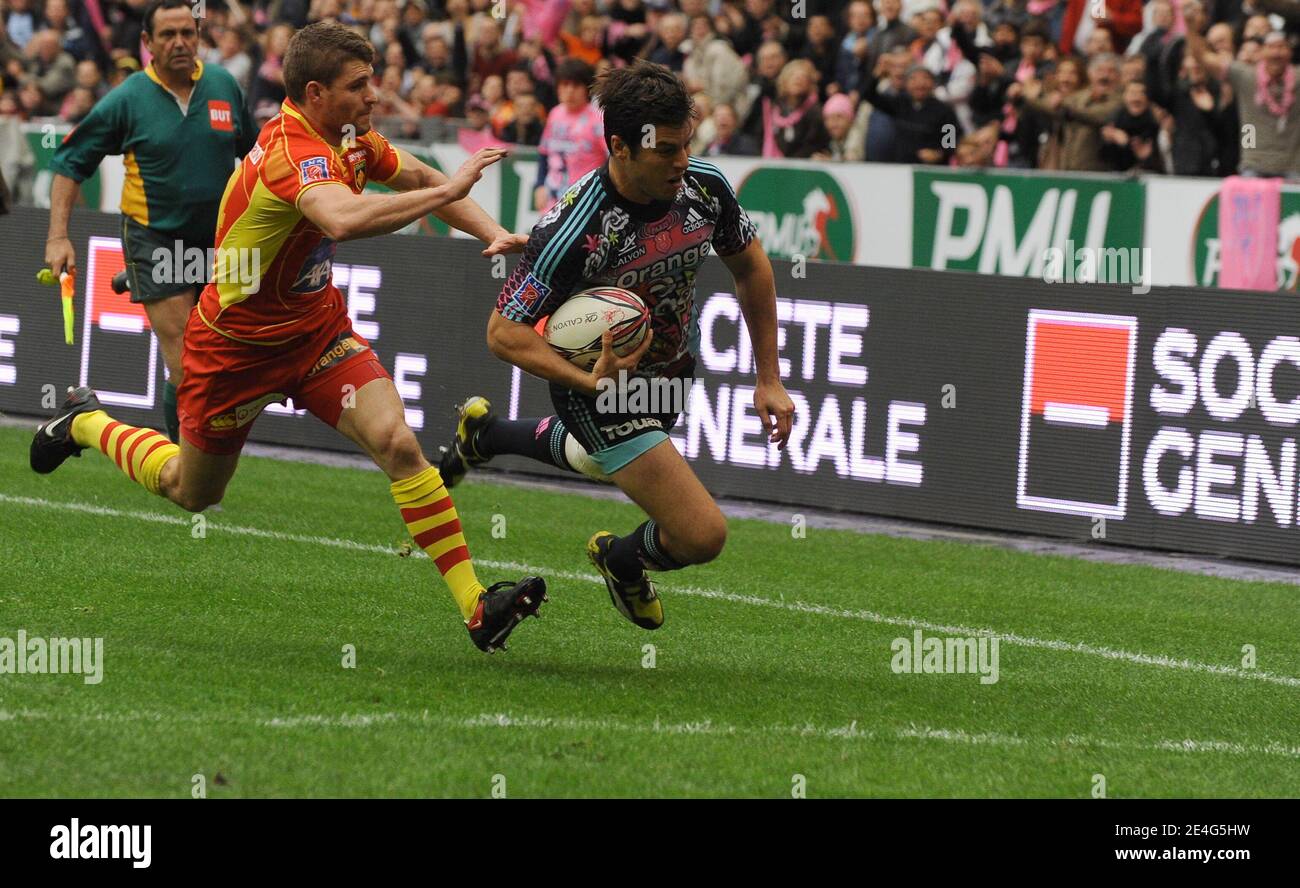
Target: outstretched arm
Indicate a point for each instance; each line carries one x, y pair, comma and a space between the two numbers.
342, 215
464, 215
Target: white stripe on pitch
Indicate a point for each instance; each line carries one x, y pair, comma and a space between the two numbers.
795, 606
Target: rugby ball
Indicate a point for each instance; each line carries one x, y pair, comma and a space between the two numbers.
574, 330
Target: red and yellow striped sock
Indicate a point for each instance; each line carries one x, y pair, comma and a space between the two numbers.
432, 521
140, 453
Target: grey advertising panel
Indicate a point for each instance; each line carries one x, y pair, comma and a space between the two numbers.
1165, 419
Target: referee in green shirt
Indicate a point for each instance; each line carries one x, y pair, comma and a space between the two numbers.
180, 127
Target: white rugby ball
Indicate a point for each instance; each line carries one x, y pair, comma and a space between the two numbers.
575, 329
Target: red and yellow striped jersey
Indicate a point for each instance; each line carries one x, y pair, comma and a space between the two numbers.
273, 267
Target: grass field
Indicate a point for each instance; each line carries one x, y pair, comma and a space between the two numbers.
222, 656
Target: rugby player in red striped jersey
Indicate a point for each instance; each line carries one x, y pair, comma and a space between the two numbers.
298, 192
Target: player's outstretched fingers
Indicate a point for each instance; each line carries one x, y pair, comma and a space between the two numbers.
485, 157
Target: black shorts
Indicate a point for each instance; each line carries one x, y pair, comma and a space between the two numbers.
614, 437
160, 264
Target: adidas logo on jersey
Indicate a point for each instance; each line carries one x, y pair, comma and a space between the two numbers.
694, 221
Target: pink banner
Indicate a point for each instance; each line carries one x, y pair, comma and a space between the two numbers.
1249, 210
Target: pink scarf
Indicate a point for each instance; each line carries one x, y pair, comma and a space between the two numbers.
774, 118
1264, 96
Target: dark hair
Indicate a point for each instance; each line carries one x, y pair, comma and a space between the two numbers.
156, 5
1036, 27
639, 94
319, 52
575, 71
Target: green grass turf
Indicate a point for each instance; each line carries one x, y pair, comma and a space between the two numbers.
223, 656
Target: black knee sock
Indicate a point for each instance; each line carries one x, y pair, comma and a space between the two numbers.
640, 549
541, 439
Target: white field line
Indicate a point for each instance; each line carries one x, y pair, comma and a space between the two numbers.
708, 728
795, 606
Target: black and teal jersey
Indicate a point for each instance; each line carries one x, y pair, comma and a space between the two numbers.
177, 162
594, 236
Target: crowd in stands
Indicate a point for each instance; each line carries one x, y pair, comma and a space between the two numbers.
1189, 87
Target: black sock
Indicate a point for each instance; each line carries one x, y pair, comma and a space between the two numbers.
640, 549
541, 439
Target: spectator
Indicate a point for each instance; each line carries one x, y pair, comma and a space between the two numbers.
1221, 39
1080, 115
671, 34
1200, 121
1014, 12
976, 150
52, 70
746, 26
488, 54
126, 27
479, 115
847, 129
449, 98
712, 66
1265, 94
1159, 30
527, 126
588, 44
12, 67
1133, 68
20, 22
123, 68
859, 19
770, 60
88, 77
888, 32
395, 59
727, 137
435, 54
230, 54
925, 129
822, 48
518, 83
792, 122
32, 101
1119, 20
423, 94
880, 127
1129, 137
493, 94
77, 104
267, 92
573, 142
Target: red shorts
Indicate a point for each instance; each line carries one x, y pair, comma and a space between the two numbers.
227, 383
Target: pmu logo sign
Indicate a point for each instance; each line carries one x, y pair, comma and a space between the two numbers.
119, 354
1076, 420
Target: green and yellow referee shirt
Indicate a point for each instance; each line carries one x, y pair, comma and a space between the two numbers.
177, 157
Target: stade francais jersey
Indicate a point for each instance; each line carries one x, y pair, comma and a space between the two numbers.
594, 236
294, 258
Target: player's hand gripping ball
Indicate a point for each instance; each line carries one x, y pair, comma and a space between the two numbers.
576, 328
